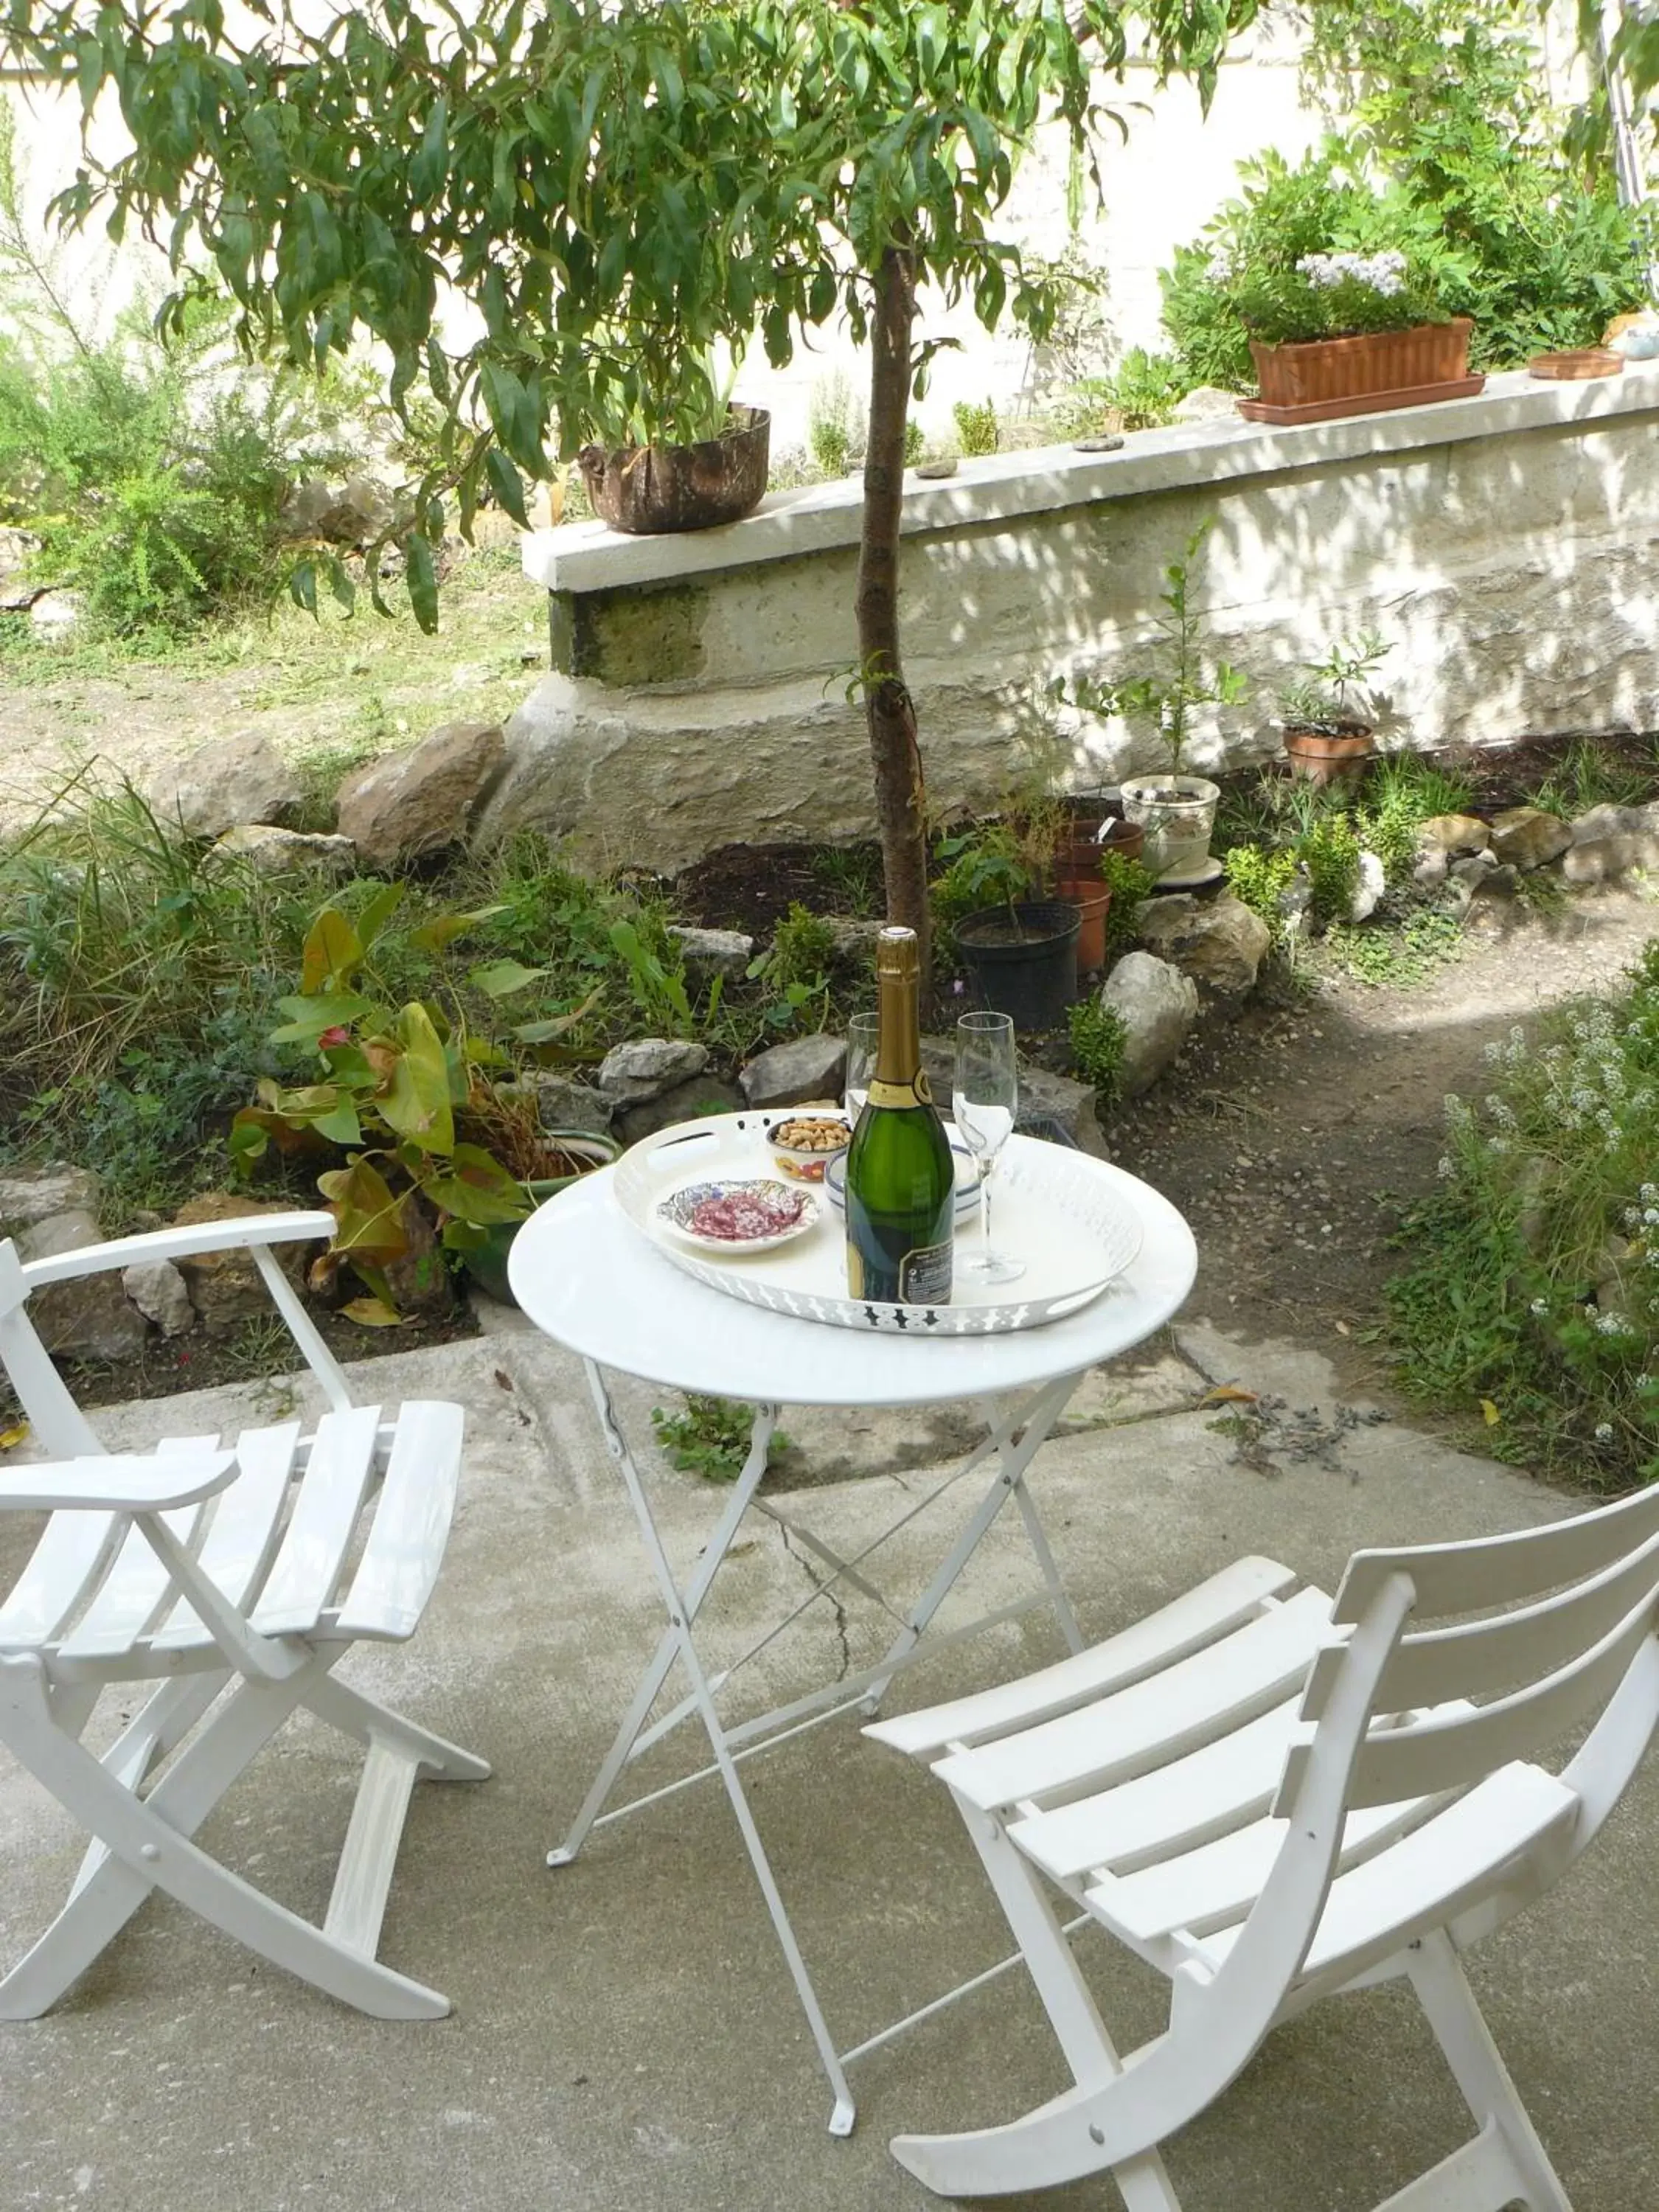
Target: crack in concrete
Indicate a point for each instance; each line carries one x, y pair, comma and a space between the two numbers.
803, 1561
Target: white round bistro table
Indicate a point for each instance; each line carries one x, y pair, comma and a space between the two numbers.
589, 1278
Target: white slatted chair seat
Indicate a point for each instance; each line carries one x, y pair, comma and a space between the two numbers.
247, 1568
1273, 1796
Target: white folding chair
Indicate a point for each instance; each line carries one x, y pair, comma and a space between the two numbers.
236, 1578
1273, 1797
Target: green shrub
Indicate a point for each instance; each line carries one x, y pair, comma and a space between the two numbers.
1097, 1037
1259, 880
976, 426
985, 867
1329, 851
710, 1437
1535, 1283
1130, 885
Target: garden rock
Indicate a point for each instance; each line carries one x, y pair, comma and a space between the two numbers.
1605, 860
225, 1287
1367, 890
1606, 821
792, 1075
224, 783
408, 804
1474, 867
852, 941
88, 1319
711, 952
1060, 1099
1156, 1004
1429, 870
18, 594
1208, 402
276, 852
55, 612
647, 1067
35, 1195
561, 1103
686, 1102
1218, 942
1453, 833
160, 1294
1527, 837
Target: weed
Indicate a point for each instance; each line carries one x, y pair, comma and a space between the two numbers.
1329, 852
976, 426
1533, 1295
1587, 775
1396, 955
711, 1437
1130, 885
851, 873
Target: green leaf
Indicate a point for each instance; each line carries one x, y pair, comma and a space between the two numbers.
422, 576
479, 1190
302, 585
501, 978
443, 929
508, 486
341, 1126
375, 1313
309, 1015
378, 911
415, 1101
368, 1217
332, 954
430, 165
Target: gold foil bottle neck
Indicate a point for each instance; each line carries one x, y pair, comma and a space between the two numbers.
897, 954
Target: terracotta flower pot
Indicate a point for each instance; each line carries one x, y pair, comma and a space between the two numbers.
649, 489
1127, 839
1362, 376
1093, 900
1321, 756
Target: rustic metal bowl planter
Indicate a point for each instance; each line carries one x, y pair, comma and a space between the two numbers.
651, 490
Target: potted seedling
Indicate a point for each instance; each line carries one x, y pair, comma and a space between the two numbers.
1176, 812
1328, 720
1020, 952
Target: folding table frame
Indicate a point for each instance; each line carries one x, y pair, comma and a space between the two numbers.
1011, 1445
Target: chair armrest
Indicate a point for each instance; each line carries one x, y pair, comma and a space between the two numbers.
248, 1229
118, 1484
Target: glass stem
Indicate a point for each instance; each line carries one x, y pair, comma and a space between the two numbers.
984, 1205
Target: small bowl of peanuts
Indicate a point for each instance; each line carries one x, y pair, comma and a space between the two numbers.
804, 1144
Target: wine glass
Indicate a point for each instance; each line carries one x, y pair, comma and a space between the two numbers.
984, 1096
862, 1032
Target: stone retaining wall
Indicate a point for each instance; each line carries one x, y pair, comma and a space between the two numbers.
1504, 545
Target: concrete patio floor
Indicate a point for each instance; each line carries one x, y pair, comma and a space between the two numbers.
624, 2033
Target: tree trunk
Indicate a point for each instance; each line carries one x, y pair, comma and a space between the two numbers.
901, 811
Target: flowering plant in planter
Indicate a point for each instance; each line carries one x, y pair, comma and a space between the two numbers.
1306, 254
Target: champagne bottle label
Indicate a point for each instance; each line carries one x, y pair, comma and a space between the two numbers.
925, 1276
917, 1092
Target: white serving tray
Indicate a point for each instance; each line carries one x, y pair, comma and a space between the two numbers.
1051, 1207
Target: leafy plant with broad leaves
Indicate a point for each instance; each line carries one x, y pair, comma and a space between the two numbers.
616, 186
394, 1090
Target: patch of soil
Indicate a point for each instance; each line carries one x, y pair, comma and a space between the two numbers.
752, 887
1292, 1138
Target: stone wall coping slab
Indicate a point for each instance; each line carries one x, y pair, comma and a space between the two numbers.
587, 557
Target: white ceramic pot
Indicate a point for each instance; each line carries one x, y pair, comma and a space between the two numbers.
1178, 812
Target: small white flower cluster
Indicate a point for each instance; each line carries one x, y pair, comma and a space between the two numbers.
1221, 266
1384, 273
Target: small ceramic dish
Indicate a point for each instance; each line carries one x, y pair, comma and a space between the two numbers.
804, 1145
754, 1214
835, 1182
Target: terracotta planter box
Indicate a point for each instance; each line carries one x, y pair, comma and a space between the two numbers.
1362, 375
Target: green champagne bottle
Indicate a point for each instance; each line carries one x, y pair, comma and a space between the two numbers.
901, 1179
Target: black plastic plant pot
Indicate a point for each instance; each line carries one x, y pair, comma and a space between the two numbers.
1024, 963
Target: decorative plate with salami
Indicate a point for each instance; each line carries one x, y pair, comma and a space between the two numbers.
754, 1215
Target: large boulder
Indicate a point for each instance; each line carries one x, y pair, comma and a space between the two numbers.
225, 1287
89, 1318
1609, 843
564, 1102
1156, 1004
224, 783
647, 1067
29, 1195
1058, 1098
408, 804
1220, 943
804, 1069
1453, 833
276, 852
1526, 837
